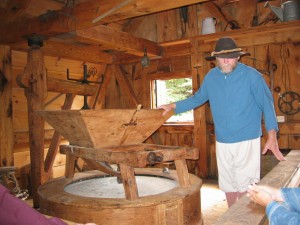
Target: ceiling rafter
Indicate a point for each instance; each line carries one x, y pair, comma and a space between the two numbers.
79, 21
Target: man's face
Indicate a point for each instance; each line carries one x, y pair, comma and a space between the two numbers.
227, 65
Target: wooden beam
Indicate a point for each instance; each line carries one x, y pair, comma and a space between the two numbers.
99, 100
167, 75
61, 86
263, 35
101, 166
200, 127
21, 137
14, 9
70, 51
6, 110
81, 16
129, 182
182, 173
286, 32
126, 88
117, 40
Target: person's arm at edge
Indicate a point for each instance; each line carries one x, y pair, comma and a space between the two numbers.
279, 214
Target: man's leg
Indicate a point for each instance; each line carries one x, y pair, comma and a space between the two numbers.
238, 166
226, 177
231, 198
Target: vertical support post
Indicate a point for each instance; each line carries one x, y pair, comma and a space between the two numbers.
70, 165
36, 92
182, 172
200, 131
129, 182
6, 111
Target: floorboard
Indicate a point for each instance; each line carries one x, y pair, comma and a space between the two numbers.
213, 201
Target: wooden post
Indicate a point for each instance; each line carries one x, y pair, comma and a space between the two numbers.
129, 182
6, 124
182, 172
70, 165
200, 131
35, 72
127, 90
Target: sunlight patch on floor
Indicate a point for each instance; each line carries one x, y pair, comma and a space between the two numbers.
213, 201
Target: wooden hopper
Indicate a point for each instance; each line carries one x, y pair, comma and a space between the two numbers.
105, 127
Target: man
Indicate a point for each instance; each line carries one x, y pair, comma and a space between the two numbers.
238, 97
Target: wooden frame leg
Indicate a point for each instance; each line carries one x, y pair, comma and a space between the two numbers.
182, 172
129, 182
70, 166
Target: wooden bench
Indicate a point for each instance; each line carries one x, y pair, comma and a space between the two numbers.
284, 174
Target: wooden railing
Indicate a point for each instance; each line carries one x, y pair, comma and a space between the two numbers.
284, 174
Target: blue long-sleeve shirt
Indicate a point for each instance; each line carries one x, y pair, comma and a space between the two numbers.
237, 101
287, 212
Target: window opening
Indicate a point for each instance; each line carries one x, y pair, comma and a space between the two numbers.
173, 90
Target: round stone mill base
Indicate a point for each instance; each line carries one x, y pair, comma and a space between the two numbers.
161, 201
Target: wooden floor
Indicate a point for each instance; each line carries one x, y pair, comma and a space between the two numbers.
213, 201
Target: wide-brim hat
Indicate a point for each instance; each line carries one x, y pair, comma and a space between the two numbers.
226, 48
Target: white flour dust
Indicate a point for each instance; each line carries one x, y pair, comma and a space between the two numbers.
108, 187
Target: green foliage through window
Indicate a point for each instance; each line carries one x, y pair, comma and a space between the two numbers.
173, 90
